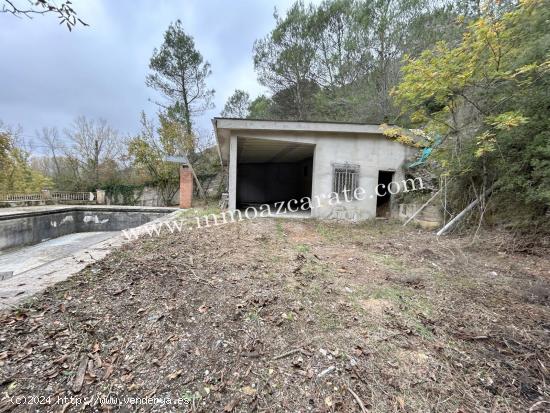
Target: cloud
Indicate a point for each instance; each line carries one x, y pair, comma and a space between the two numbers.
49, 75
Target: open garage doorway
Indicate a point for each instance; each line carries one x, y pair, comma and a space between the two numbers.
383, 199
272, 171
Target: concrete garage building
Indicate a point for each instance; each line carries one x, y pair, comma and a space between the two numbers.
273, 161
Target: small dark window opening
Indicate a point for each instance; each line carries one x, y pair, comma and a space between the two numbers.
383, 200
345, 177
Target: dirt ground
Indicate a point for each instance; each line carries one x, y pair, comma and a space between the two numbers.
288, 315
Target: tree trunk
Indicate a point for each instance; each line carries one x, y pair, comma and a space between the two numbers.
96, 161
452, 223
199, 186
186, 113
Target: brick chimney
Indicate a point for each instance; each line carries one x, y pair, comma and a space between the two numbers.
186, 187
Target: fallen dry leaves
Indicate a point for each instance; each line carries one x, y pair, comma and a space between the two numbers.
271, 316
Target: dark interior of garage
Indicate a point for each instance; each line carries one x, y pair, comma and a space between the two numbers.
273, 171
383, 204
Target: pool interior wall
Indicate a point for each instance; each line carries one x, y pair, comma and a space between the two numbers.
33, 227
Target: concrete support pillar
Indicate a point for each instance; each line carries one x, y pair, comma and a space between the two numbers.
232, 173
100, 196
46, 194
186, 187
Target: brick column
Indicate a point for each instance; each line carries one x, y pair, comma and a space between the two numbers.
186, 187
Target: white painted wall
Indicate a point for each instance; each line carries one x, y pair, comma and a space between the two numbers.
372, 152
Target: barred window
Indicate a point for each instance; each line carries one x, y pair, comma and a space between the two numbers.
345, 176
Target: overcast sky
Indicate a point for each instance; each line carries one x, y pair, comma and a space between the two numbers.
49, 76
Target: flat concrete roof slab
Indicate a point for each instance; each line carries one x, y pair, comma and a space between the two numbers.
224, 127
262, 150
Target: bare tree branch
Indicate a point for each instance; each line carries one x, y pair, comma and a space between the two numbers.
65, 13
